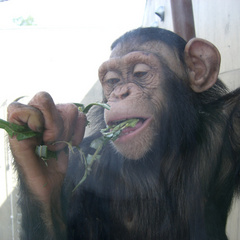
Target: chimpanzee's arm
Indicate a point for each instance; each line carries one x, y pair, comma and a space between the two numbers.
40, 184
39, 221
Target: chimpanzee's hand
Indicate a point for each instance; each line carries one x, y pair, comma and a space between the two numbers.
57, 123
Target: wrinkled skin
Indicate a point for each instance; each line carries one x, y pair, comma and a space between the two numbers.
131, 91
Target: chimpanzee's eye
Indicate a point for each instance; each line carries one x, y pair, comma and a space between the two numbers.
112, 81
140, 70
139, 74
111, 78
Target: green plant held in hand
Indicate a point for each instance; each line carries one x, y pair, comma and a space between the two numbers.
110, 133
21, 132
24, 132
44, 153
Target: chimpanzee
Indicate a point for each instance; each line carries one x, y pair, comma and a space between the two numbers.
170, 177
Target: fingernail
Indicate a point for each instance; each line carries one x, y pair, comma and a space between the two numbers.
40, 129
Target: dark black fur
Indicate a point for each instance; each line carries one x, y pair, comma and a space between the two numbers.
182, 189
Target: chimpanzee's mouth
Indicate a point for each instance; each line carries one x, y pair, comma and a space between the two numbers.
117, 122
130, 131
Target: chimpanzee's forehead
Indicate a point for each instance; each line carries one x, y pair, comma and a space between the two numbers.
152, 46
169, 55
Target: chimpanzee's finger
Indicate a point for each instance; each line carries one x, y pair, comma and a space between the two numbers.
53, 122
23, 114
69, 114
79, 130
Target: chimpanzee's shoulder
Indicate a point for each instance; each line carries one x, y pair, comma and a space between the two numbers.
233, 97
229, 103
234, 101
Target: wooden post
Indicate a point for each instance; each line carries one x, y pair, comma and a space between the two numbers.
183, 20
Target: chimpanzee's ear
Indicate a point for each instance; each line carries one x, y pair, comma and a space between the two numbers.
203, 63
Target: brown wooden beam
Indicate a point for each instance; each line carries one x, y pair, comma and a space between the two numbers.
183, 20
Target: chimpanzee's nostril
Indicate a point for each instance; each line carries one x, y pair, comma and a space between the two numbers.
125, 95
122, 92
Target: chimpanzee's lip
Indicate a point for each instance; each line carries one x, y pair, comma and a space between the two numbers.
130, 132
116, 122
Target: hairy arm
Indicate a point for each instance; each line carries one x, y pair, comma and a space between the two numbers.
40, 185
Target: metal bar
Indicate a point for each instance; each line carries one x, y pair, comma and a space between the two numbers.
183, 20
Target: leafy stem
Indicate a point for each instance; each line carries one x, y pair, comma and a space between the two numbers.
85, 110
110, 133
24, 132
21, 132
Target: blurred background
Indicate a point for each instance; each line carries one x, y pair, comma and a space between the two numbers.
57, 46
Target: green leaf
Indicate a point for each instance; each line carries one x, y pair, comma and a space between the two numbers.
109, 133
19, 98
90, 159
113, 132
85, 110
97, 142
43, 152
80, 106
21, 132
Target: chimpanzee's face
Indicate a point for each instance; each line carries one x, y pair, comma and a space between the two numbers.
131, 81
